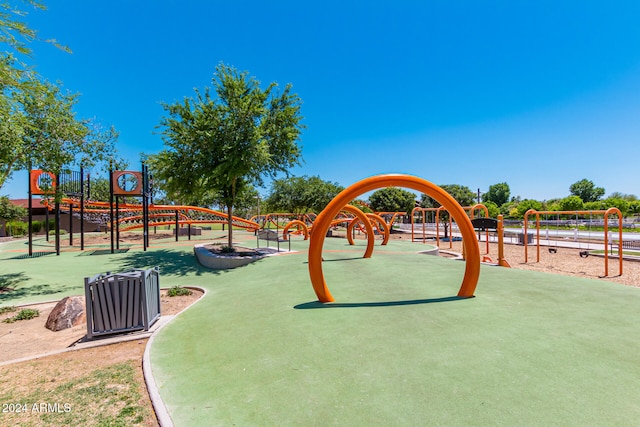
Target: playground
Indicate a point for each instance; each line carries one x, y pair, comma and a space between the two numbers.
404, 338
397, 347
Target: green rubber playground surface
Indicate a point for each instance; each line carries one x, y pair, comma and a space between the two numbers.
396, 348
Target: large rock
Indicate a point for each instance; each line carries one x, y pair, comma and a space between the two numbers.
69, 312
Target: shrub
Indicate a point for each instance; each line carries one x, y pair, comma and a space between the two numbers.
36, 226
24, 314
227, 250
177, 291
9, 309
17, 228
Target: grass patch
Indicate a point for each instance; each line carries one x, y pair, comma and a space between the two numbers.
105, 397
615, 252
10, 309
24, 314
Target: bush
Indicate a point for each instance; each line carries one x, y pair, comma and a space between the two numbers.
9, 309
17, 228
177, 291
24, 314
36, 226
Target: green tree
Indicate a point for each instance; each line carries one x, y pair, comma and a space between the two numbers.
594, 206
498, 194
621, 204
392, 199
571, 203
38, 127
14, 33
218, 145
586, 190
524, 206
619, 195
50, 136
493, 209
247, 202
463, 195
301, 195
10, 212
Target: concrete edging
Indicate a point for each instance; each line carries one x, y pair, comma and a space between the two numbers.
162, 414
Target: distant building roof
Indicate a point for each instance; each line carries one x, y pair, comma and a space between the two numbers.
24, 203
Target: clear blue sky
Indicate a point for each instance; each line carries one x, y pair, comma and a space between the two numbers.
538, 94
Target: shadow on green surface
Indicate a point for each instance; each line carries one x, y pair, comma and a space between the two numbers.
34, 255
11, 289
318, 304
170, 262
9, 281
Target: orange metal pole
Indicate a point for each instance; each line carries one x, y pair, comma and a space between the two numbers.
501, 261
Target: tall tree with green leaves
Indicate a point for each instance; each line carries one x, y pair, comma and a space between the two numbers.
392, 199
463, 195
216, 145
498, 194
50, 136
301, 194
586, 190
38, 127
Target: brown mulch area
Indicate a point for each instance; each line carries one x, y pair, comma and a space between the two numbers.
565, 261
27, 338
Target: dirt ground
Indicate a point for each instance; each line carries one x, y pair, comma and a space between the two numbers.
565, 261
29, 338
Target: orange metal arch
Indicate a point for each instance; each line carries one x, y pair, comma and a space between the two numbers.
367, 225
393, 215
301, 225
380, 223
323, 221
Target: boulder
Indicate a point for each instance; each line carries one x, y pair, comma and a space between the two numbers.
68, 312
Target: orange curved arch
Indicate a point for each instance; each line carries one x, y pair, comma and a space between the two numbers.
393, 216
386, 229
379, 223
367, 225
301, 225
472, 268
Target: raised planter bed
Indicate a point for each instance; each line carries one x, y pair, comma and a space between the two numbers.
217, 261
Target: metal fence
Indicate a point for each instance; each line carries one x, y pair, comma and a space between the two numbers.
122, 302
